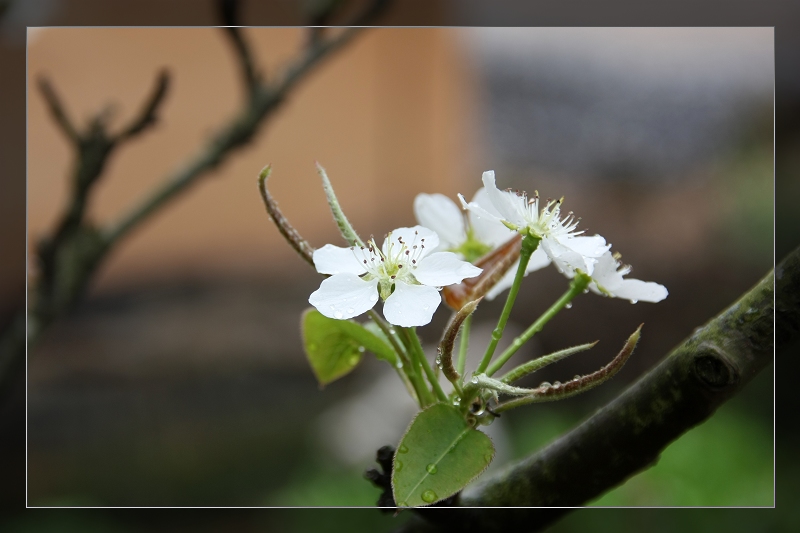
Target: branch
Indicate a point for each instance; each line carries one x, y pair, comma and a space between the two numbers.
70, 256
148, 116
264, 100
57, 110
627, 435
229, 13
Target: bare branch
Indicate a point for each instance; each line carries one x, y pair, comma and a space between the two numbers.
229, 13
239, 131
320, 14
148, 116
57, 110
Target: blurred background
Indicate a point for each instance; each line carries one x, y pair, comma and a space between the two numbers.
180, 380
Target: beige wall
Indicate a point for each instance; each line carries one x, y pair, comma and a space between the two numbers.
388, 116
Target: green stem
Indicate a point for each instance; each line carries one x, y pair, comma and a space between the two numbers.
529, 245
416, 349
576, 287
463, 346
414, 378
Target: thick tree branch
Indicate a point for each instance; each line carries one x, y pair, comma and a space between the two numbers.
627, 435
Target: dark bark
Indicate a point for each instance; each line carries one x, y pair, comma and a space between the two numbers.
628, 435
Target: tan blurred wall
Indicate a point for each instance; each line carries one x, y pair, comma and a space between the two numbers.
390, 115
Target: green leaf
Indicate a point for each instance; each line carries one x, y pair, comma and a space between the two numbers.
438, 456
335, 347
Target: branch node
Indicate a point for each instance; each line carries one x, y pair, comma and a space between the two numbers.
714, 370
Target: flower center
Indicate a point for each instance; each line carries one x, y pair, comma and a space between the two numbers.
548, 220
471, 249
397, 261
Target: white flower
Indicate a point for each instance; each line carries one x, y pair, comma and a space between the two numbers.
403, 272
607, 279
559, 240
471, 236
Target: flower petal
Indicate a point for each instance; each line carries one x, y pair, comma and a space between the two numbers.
411, 305
566, 260
606, 274
440, 214
510, 206
444, 268
416, 236
344, 296
479, 211
607, 279
487, 230
332, 259
588, 246
641, 291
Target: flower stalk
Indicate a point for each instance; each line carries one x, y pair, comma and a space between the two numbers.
408, 369
576, 287
529, 244
421, 361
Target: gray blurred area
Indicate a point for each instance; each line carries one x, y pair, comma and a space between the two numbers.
621, 104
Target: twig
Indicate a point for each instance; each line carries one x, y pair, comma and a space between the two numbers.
229, 13
70, 256
57, 110
240, 130
627, 435
148, 116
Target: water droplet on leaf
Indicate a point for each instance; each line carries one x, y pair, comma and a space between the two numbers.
431, 468
429, 496
544, 385
488, 458
402, 449
398, 466
456, 400
568, 306
474, 380
361, 349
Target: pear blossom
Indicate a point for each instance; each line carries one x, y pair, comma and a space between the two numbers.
558, 237
607, 279
405, 272
471, 236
